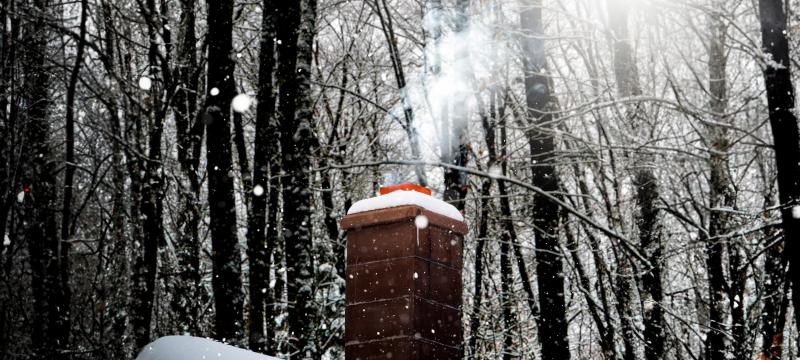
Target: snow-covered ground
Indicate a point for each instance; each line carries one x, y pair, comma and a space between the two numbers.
195, 348
403, 197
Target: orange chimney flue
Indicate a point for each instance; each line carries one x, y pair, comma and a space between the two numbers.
404, 261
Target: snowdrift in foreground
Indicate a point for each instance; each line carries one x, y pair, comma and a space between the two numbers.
195, 348
402, 197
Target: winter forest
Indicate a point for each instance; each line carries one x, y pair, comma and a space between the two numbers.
629, 170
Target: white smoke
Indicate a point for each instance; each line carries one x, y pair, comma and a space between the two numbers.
458, 67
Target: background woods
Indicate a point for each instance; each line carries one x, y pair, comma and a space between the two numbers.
630, 170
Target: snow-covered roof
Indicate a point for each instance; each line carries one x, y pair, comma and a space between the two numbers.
403, 197
195, 348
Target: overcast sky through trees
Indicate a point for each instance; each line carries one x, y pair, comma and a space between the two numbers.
629, 170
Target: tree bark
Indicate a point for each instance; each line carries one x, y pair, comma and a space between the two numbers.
118, 251
69, 170
773, 315
549, 267
8, 111
506, 280
286, 28
187, 294
152, 207
258, 252
296, 118
50, 330
721, 197
646, 187
775, 280
226, 256
785, 134
483, 225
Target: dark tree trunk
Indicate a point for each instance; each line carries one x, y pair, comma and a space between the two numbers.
118, 250
272, 236
69, 173
549, 267
781, 103
646, 186
50, 330
186, 287
226, 258
773, 316
623, 290
258, 251
483, 226
508, 234
8, 51
506, 280
286, 28
775, 280
152, 207
650, 240
296, 118
488, 124
134, 136
721, 196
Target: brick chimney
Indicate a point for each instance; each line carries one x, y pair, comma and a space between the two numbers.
404, 283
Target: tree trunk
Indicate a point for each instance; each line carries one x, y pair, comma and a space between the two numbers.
8, 70
776, 297
118, 252
258, 252
69, 171
152, 207
50, 331
773, 315
549, 267
186, 300
721, 197
286, 28
781, 103
483, 226
226, 257
506, 280
296, 112
646, 187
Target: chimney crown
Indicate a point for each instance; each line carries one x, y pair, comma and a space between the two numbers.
405, 186
403, 280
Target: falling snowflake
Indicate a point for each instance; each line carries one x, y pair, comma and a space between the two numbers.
241, 103
258, 190
796, 211
495, 171
145, 83
214, 92
21, 197
421, 221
